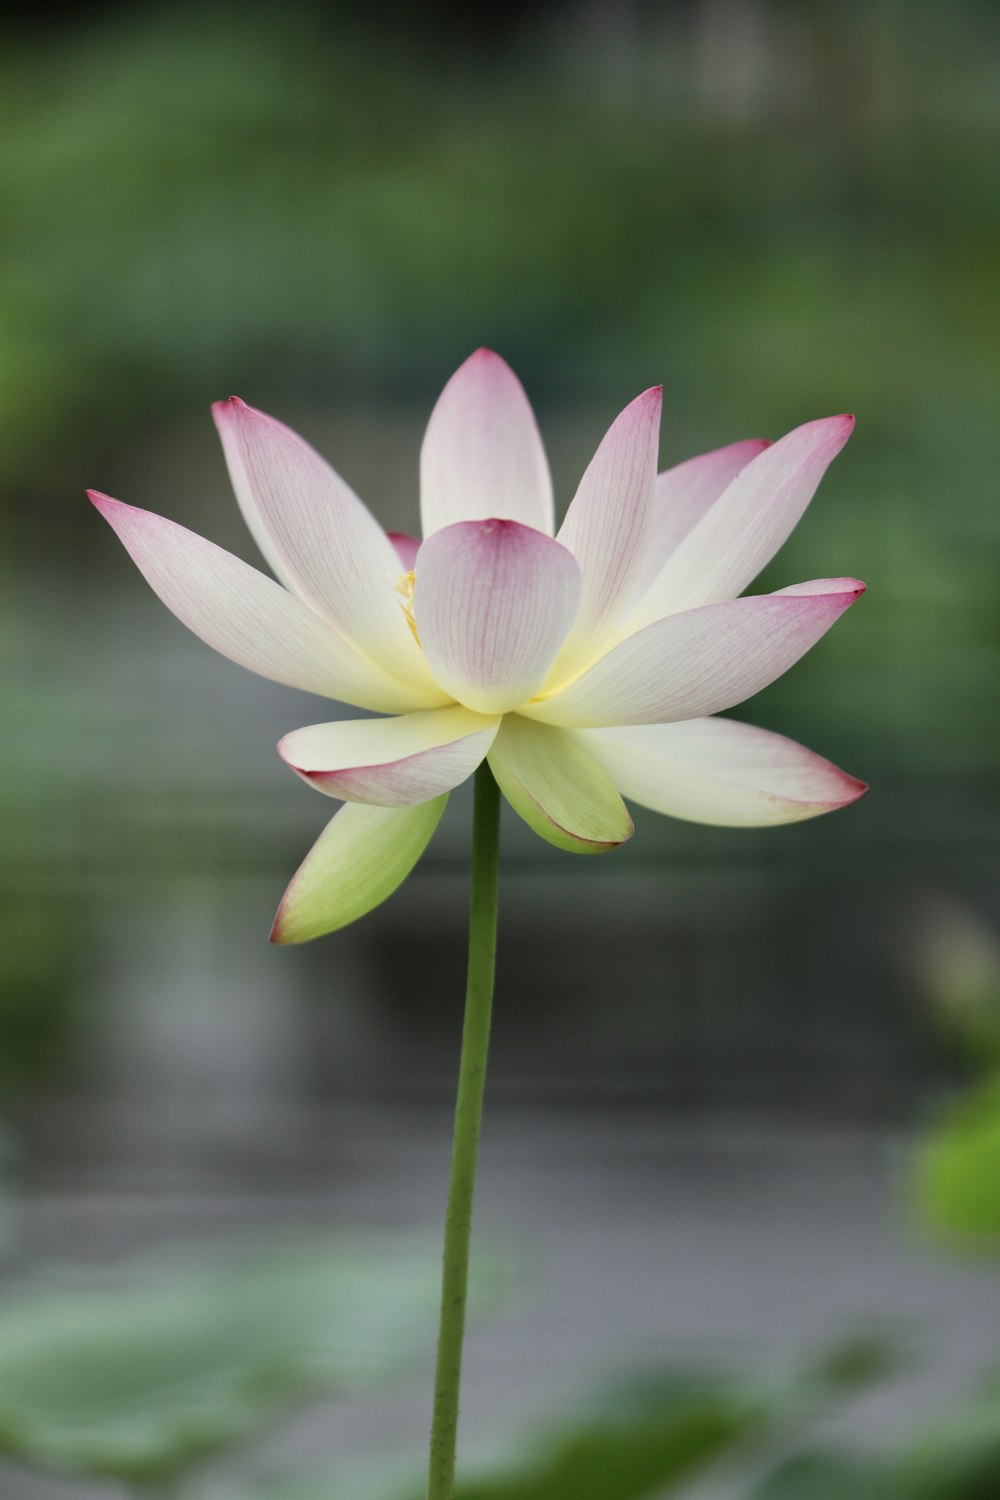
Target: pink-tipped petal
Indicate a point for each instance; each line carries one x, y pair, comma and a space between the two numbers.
493, 602
720, 771
482, 454
406, 548
742, 531
250, 618
701, 661
607, 525
391, 762
360, 858
682, 495
323, 543
557, 788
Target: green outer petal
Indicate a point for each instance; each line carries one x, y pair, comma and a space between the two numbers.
555, 786
359, 859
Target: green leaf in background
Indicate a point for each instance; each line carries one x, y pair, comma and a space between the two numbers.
136, 1376
825, 1476
958, 1170
644, 1439
957, 1457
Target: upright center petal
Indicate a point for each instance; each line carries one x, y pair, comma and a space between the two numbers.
493, 601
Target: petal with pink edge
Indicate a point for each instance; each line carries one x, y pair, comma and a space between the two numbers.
482, 454
700, 661
391, 762
406, 548
360, 858
743, 530
607, 526
682, 495
250, 618
322, 542
493, 602
719, 771
557, 788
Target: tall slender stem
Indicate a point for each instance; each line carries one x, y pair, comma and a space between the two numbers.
465, 1142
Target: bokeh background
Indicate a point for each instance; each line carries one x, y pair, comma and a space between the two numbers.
712, 1048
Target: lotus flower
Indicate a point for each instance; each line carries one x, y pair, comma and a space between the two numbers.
585, 664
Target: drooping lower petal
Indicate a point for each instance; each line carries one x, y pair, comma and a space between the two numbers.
682, 495
557, 788
493, 602
482, 455
359, 859
607, 526
250, 618
701, 661
719, 771
322, 541
391, 762
743, 530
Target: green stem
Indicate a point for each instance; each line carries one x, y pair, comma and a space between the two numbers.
465, 1143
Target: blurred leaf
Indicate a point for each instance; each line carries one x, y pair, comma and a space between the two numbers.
645, 1438
958, 1456
825, 1476
957, 960
958, 1169
137, 1377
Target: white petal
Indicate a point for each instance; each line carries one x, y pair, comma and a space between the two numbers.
322, 542
391, 762
482, 454
607, 525
359, 859
743, 530
720, 771
493, 601
700, 661
559, 791
682, 495
250, 618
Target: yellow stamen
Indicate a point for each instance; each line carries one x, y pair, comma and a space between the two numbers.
404, 588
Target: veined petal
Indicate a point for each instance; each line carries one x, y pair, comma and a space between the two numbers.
719, 771
607, 525
360, 858
743, 530
250, 618
391, 762
682, 495
493, 602
322, 542
482, 455
700, 661
557, 788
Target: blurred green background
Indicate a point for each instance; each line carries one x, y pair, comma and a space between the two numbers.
779, 211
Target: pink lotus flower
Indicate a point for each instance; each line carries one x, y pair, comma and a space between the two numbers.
585, 665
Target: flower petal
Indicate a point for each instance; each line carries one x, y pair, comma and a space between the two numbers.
493, 602
250, 618
322, 542
391, 762
700, 661
359, 859
683, 494
743, 530
606, 526
406, 548
557, 788
720, 771
482, 454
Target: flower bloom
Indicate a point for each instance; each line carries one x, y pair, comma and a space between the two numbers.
584, 664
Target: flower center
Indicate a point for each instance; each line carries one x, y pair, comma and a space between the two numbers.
404, 588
